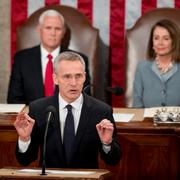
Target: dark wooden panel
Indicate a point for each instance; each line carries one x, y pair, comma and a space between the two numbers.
8, 138
149, 152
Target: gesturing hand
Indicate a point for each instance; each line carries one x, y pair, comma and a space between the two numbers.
105, 130
24, 125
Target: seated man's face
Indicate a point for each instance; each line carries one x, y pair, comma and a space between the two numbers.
70, 78
51, 32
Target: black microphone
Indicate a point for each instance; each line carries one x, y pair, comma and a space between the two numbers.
50, 111
117, 90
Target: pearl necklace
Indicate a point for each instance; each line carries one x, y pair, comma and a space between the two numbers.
165, 69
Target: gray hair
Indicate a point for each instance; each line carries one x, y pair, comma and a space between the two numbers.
51, 13
67, 56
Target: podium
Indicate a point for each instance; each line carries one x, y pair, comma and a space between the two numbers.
149, 152
75, 174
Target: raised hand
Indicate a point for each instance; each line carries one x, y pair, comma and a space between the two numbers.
105, 130
24, 125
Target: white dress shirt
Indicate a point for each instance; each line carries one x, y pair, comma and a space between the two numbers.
76, 111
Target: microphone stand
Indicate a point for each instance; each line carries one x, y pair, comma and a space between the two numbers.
44, 146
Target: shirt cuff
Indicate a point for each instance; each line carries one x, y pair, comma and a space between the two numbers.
23, 146
106, 148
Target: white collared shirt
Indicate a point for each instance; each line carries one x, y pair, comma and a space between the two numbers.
44, 59
76, 111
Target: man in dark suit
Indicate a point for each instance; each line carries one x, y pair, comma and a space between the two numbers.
27, 80
93, 123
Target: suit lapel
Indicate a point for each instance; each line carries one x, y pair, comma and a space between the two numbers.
83, 123
36, 59
56, 125
37, 66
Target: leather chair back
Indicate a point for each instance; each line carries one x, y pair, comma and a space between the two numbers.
137, 40
80, 36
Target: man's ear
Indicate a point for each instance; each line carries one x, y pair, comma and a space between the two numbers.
55, 79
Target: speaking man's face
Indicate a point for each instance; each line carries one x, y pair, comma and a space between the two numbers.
70, 78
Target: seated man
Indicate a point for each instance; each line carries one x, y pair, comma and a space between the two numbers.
31, 76
80, 126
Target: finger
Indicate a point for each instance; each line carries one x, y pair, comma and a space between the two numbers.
20, 117
105, 128
23, 120
106, 124
104, 121
29, 119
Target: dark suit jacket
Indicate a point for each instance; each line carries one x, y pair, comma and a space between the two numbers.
26, 81
87, 142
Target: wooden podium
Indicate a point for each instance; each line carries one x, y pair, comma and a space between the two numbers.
17, 173
149, 152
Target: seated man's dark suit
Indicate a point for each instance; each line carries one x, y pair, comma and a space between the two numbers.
26, 80
87, 143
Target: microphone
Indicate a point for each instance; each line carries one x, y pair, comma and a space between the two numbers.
117, 90
50, 111
87, 89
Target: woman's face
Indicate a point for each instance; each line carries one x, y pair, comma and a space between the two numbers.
162, 42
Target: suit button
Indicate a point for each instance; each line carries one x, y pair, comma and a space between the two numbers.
163, 91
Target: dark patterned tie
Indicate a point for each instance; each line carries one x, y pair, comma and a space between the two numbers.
69, 133
48, 82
